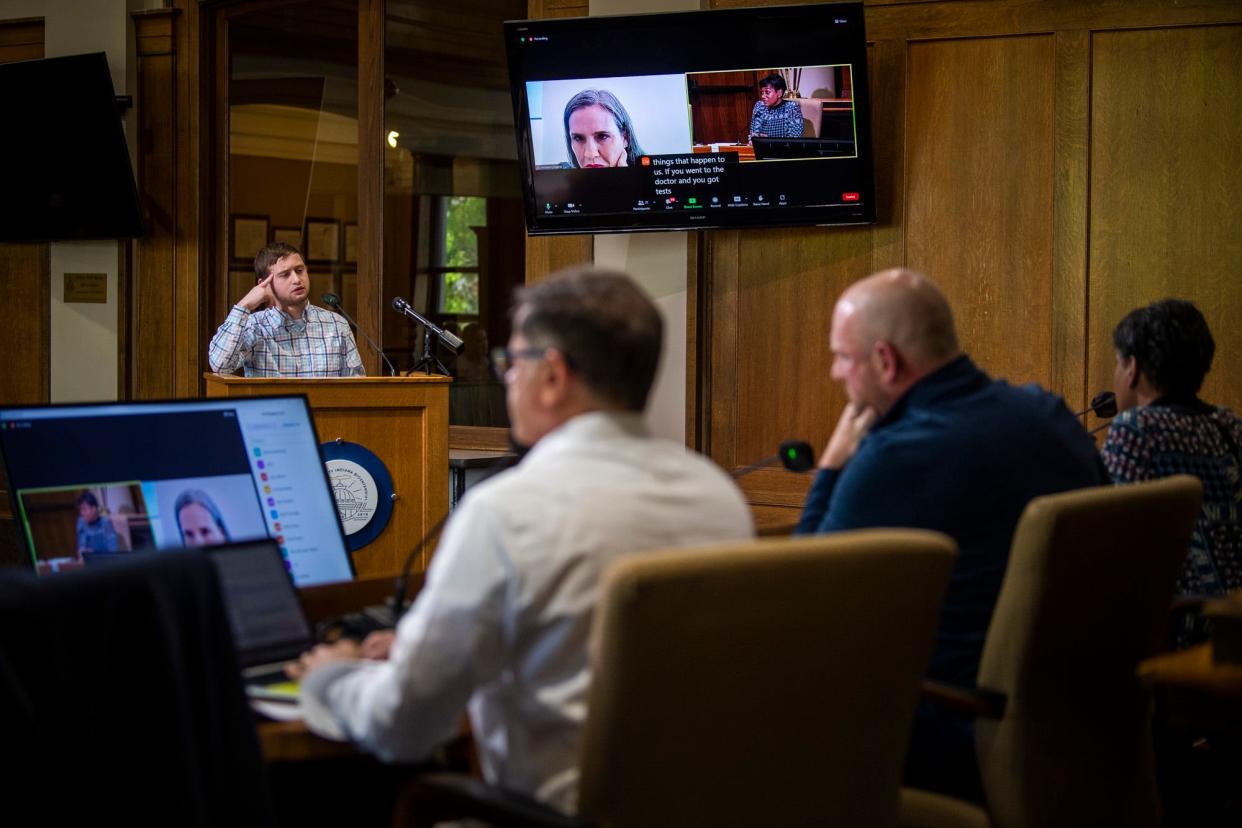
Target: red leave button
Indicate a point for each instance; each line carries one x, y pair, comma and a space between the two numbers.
849, 196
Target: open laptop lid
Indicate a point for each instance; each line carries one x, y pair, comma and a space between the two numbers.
104, 478
267, 619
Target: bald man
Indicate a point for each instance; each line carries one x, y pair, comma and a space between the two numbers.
928, 440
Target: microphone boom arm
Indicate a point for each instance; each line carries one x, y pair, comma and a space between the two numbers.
334, 302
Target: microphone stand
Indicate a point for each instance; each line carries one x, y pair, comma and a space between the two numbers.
794, 455
334, 302
429, 363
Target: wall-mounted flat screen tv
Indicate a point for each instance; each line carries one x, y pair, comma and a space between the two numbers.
693, 120
68, 175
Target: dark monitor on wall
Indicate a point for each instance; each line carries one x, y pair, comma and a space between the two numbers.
68, 174
91, 483
644, 122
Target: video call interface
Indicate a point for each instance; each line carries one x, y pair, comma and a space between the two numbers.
617, 124
94, 482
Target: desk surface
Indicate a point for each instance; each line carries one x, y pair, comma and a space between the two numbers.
475, 458
1198, 696
292, 742
1192, 669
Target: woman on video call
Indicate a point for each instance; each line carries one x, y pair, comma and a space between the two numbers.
599, 132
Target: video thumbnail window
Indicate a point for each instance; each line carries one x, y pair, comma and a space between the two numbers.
590, 123
762, 114
205, 511
71, 527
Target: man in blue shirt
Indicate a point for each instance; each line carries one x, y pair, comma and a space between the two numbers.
928, 440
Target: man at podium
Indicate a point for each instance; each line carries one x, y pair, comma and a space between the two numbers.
274, 330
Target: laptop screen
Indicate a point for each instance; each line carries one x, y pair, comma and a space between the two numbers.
266, 617
93, 480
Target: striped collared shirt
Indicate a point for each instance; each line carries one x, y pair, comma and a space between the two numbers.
270, 343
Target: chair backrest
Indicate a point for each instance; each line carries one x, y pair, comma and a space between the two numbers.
812, 116
1085, 598
765, 683
120, 696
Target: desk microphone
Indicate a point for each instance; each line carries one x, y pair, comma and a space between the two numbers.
359, 624
1104, 404
403, 580
795, 455
333, 301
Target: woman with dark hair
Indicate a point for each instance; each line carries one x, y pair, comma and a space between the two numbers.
95, 532
599, 132
1164, 351
199, 520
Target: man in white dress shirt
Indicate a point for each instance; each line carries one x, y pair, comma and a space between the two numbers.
501, 626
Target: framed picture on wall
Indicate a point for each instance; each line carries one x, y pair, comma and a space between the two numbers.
323, 240
351, 243
240, 283
288, 235
321, 282
349, 289
249, 233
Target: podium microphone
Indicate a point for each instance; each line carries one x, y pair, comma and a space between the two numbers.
333, 301
1104, 404
795, 455
449, 340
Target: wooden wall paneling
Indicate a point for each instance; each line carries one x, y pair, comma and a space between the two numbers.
21, 39
784, 362
1071, 137
153, 311
721, 104
1166, 182
215, 272
371, 131
979, 129
25, 272
190, 273
717, 367
558, 8
698, 333
886, 69
124, 303
984, 18
548, 254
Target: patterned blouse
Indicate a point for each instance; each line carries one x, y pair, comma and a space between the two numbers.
781, 121
1167, 438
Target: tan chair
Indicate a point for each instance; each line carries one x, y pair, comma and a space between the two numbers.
812, 116
1084, 600
765, 683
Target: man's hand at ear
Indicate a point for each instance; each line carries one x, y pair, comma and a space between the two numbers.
854, 424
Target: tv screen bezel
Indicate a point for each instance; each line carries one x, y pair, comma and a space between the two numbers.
638, 222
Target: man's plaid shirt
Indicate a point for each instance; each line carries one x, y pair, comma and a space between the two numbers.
270, 343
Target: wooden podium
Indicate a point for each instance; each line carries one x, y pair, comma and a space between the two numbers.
404, 421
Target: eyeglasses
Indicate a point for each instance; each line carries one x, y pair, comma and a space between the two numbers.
503, 358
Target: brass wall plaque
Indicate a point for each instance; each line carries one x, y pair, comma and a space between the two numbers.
86, 287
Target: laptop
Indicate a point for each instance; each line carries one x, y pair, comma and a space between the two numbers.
269, 624
90, 482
